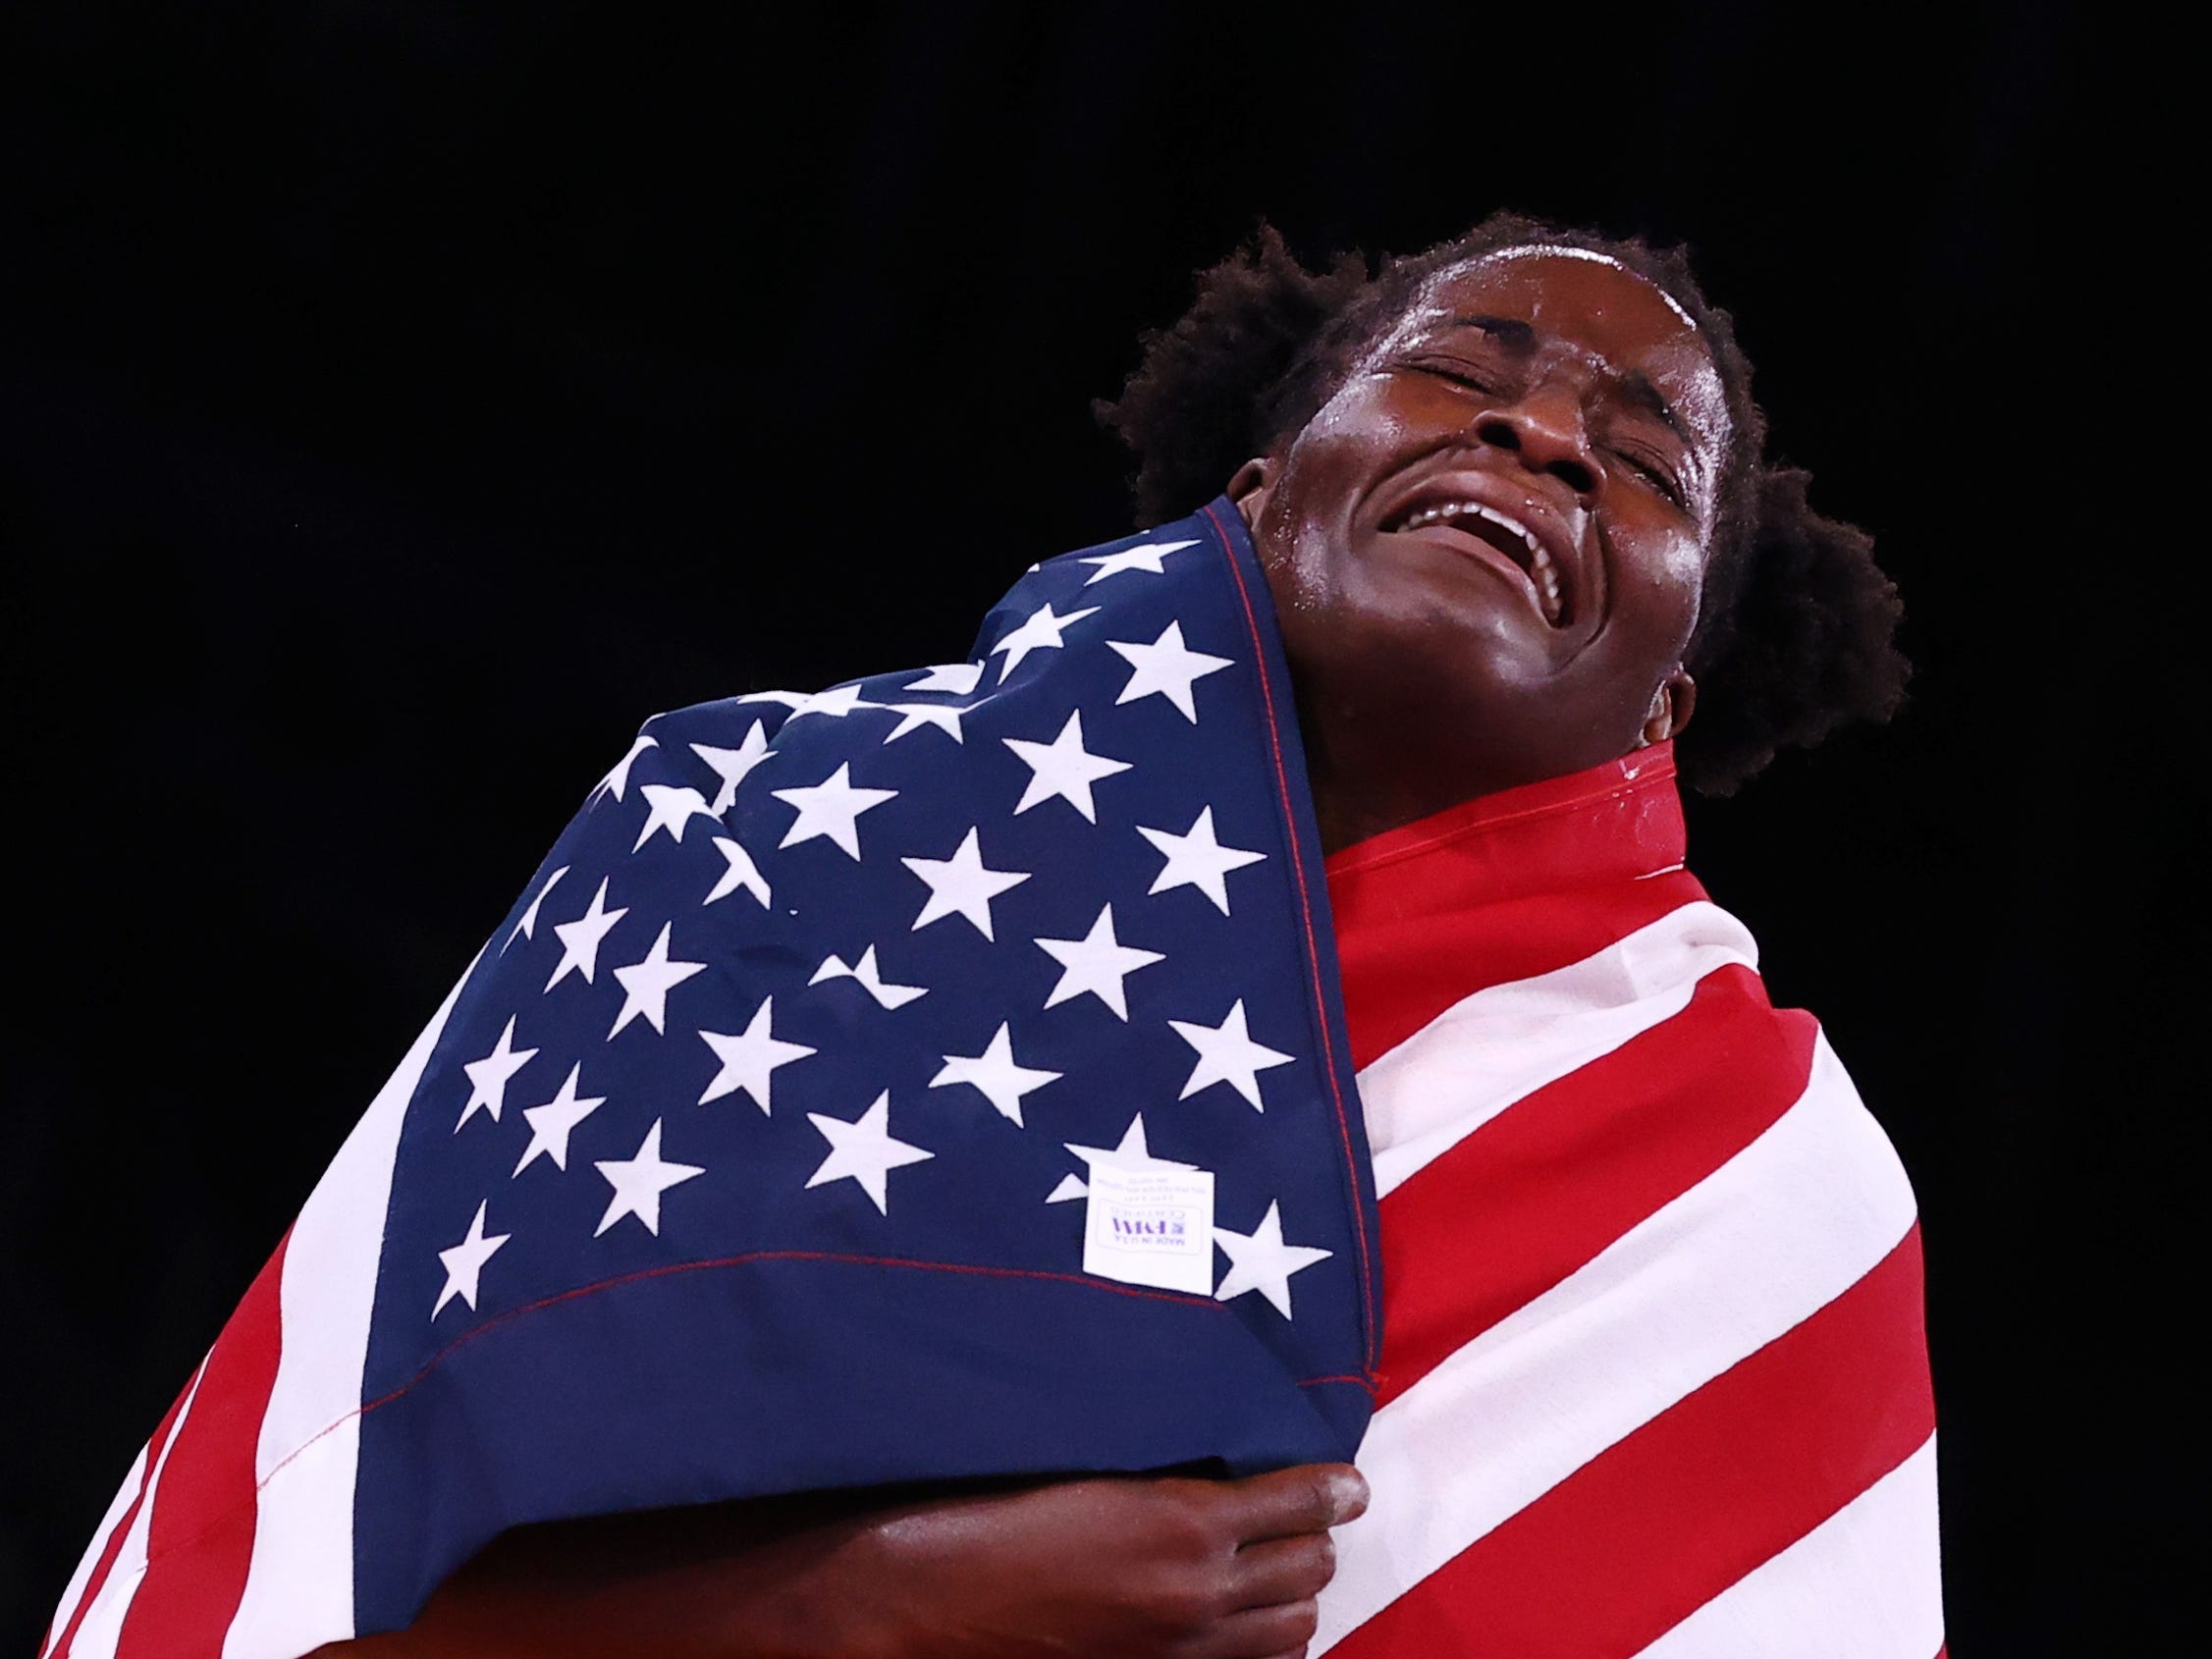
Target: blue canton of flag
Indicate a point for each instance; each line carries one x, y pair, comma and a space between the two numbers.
935, 1076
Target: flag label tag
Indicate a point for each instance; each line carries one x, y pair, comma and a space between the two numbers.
1151, 1227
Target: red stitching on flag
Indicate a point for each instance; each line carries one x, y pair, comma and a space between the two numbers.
739, 1262
1369, 1345
747, 1259
513, 1313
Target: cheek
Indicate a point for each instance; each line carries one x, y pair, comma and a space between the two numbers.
1305, 524
1352, 442
1335, 456
1362, 414
1668, 582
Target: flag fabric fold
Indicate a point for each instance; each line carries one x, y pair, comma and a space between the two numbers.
940, 1075
1654, 1375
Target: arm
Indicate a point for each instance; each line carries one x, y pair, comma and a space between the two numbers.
1142, 1568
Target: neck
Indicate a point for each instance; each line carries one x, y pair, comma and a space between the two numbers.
1375, 771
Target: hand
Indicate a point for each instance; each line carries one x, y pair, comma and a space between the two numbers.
1133, 1569
1115, 1567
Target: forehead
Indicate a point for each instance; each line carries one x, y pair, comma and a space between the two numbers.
1584, 305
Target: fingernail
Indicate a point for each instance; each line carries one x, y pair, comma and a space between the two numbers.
1349, 1492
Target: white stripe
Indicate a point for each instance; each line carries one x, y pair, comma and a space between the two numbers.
1501, 1045
103, 1619
1866, 1583
299, 1586
74, 1591
1765, 1242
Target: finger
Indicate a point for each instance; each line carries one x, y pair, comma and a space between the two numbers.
1308, 1498
1283, 1569
1259, 1633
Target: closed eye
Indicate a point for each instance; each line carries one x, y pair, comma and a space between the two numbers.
1665, 485
1485, 380
1460, 374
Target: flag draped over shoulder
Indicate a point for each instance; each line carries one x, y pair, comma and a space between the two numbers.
937, 1076
1654, 1376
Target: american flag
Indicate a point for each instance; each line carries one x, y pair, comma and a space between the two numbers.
824, 1112
1655, 1377
935, 1076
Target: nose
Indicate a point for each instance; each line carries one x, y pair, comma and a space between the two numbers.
1546, 429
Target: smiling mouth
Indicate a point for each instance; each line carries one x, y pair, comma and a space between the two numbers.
1459, 522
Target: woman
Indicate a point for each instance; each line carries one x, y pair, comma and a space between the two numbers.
1510, 500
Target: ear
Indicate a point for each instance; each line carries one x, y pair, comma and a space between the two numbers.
1248, 487
1671, 708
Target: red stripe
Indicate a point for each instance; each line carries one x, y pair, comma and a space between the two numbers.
1612, 822
1407, 960
201, 1539
1644, 1536
98, 1577
1548, 1182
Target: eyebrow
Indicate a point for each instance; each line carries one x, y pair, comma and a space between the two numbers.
1510, 332
1518, 336
1639, 390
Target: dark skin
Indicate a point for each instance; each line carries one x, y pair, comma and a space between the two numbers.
1430, 667
1119, 1568
1426, 666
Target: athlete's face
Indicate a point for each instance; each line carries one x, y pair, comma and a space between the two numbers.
1486, 548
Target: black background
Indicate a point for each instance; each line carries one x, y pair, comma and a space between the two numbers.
405, 401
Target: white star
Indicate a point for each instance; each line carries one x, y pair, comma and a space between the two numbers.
865, 971
488, 1077
732, 764
617, 775
1227, 1055
864, 1150
959, 678
670, 807
1063, 767
837, 702
1041, 633
1165, 669
1097, 963
1259, 1261
580, 940
750, 1058
742, 873
528, 925
639, 1181
830, 808
647, 982
551, 1123
961, 886
914, 716
465, 1261
1131, 1153
1198, 859
1146, 557
994, 1071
